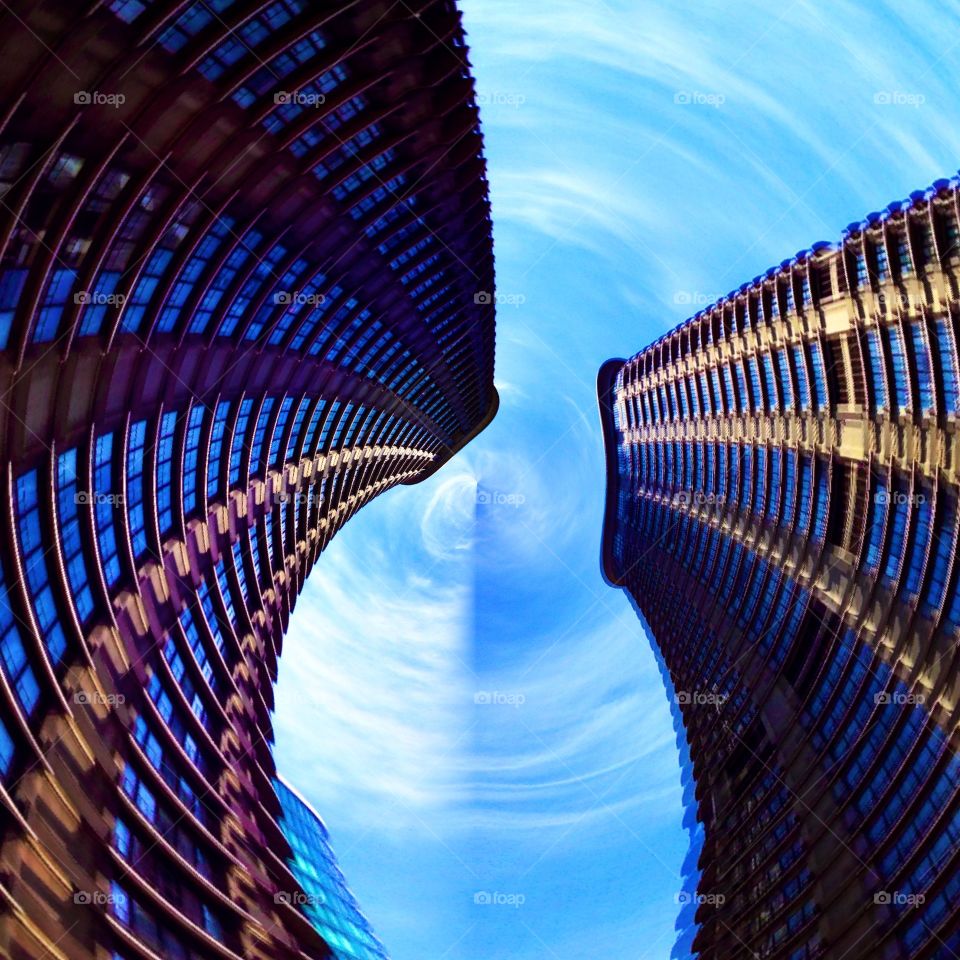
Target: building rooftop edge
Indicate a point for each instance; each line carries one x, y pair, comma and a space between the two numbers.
919, 198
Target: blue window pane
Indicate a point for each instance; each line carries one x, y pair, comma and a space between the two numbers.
68, 499
216, 447
948, 367
136, 513
11, 286
105, 500
35, 565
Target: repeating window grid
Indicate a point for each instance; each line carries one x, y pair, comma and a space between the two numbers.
269, 76
71, 541
284, 288
918, 545
55, 297
819, 381
901, 382
223, 279
34, 562
773, 401
192, 21
257, 462
878, 375
899, 517
309, 323
165, 447
279, 429
295, 431
786, 380
215, 448
238, 443
221, 571
949, 381
925, 379
135, 495
105, 499
191, 458
239, 307
16, 664
941, 561
191, 272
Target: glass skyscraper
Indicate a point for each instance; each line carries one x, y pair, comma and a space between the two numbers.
246, 284
327, 900
782, 508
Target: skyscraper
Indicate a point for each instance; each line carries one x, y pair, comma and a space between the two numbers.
782, 507
245, 286
328, 902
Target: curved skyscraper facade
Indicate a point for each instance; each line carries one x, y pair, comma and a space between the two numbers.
246, 285
327, 900
782, 476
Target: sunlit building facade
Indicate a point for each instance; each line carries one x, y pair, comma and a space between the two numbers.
242, 250
782, 507
327, 900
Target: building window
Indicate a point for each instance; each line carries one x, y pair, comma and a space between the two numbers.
215, 452
168, 426
136, 513
191, 459
878, 377
35, 567
899, 362
106, 499
68, 499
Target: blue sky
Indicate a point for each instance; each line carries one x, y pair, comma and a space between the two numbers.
468, 705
